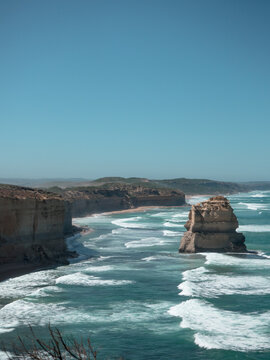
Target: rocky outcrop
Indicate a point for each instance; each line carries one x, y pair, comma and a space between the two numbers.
88, 200
212, 227
32, 226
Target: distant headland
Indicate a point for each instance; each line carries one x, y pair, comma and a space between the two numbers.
188, 186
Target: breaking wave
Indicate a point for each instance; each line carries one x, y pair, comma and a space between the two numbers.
26, 284
170, 224
181, 215
254, 228
209, 285
99, 268
170, 233
253, 206
130, 223
145, 242
259, 195
222, 329
248, 261
88, 280
150, 258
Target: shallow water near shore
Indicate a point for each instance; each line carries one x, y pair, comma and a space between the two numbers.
136, 297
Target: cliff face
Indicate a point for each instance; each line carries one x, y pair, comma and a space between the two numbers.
33, 222
85, 201
32, 226
212, 227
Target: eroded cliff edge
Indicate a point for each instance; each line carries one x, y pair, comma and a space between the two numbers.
212, 227
112, 197
33, 224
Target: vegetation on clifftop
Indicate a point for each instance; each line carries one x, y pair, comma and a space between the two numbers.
187, 186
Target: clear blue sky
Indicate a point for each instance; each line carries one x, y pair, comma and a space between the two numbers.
149, 88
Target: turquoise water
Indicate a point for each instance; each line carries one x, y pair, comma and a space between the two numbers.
138, 298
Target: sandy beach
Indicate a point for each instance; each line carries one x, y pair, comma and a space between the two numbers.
140, 209
147, 208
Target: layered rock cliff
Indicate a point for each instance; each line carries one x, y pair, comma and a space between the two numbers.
32, 226
88, 200
212, 227
33, 222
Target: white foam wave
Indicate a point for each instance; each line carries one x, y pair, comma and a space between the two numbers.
259, 195
181, 215
222, 329
170, 224
254, 228
231, 260
99, 268
179, 221
4, 355
170, 233
24, 312
261, 253
194, 274
160, 214
211, 285
104, 258
149, 258
123, 313
145, 242
130, 312
253, 206
130, 223
45, 291
26, 284
87, 280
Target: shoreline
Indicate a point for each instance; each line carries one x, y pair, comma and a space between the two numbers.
9, 271
143, 208
139, 209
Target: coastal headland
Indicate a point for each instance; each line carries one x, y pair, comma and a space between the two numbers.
34, 222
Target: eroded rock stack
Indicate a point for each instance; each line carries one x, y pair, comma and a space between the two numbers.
212, 227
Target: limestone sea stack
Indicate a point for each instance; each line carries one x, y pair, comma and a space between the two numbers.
212, 227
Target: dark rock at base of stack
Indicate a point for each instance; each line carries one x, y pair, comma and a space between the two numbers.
212, 227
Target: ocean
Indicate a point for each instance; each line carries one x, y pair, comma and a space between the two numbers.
135, 296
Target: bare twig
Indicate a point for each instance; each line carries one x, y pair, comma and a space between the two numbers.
56, 348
